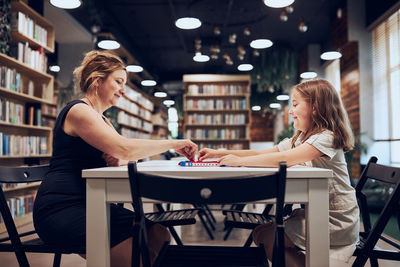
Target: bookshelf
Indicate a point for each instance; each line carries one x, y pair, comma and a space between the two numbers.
134, 114
216, 108
26, 93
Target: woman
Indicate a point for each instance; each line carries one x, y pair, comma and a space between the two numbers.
84, 138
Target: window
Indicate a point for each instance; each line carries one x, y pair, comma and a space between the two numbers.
386, 76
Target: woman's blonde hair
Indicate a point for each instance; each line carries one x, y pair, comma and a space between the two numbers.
95, 66
328, 113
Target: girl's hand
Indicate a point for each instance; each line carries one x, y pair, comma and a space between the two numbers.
231, 160
186, 148
113, 162
207, 153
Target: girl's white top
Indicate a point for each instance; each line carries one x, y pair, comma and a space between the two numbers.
344, 216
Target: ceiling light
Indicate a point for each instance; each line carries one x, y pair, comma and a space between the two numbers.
148, 83
256, 108
303, 26
108, 44
188, 23
232, 38
282, 97
308, 75
261, 43
134, 68
201, 58
217, 31
246, 31
54, 68
256, 53
160, 94
275, 105
331, 55
289, 9
245, 67
168, 102
70, 4
283, 16
278, 3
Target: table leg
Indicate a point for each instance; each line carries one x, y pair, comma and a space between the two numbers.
317, 212
97, 224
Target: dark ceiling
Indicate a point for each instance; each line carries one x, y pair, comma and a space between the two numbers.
146, 28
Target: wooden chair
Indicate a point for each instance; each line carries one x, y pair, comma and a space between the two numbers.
367, 249
206, 191
13, 242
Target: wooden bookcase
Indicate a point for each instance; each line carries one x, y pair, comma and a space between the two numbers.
216, 110
24, 88
134, 114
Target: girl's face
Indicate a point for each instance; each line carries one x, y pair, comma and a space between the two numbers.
113, 87
301, 112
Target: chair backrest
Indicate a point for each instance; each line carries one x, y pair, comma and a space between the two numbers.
219, 190
384, 174
17, 175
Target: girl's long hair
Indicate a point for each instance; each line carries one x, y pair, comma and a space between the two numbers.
328, 113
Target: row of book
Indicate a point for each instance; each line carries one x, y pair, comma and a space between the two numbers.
19, 145
134, 108
217, 89
216, 104
127, 119
129, 133
216, 119
11, 112
49, 109
224, 133
34, 58
10, 79
20, 206
138, 98
233, 146
24, 24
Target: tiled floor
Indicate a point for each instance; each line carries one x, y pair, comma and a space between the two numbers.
193, 234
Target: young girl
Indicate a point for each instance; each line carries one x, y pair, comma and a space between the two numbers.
323, 135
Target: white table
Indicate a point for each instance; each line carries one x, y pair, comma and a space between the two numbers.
106, 185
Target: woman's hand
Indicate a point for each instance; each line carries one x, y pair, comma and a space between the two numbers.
113, 162
208, 153
186, 148
231, 160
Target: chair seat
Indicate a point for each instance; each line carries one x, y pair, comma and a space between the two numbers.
37, 245
246, 220
210, 256
174, 217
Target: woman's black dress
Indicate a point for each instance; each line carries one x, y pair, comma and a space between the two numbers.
59, 212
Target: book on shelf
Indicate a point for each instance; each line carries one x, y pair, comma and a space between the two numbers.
11, 112
10, 79
33, 114
20, 206
22, 23
22, 145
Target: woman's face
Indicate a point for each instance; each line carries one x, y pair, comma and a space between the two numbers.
301, 112
113, 87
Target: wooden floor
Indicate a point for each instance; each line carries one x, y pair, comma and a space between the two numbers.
192, 234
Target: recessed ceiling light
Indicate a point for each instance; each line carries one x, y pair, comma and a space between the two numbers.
70, 4
54, 68
134, 68
168, 102
160, 94
308, 75
275, 105
201, 58
245, 67
331, 55
261, 43
282, 97
188, 23
148, 83
256, 108
278, 3
108, 44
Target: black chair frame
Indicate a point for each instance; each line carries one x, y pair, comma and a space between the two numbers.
13, 242
367, 249
175, 189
